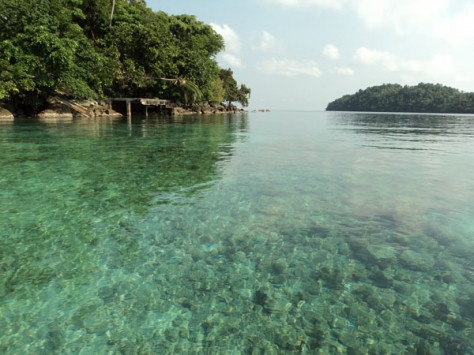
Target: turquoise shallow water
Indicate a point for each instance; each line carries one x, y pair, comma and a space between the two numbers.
283, 232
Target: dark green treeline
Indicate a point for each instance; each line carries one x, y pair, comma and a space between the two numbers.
433, 98
90, 49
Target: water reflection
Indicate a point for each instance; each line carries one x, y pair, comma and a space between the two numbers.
111, 159
382, 123
405, 131
72, 199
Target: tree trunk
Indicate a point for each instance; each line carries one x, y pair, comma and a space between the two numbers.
112, 12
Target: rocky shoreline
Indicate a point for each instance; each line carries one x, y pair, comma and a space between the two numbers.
202, 109
61, 109
64, 110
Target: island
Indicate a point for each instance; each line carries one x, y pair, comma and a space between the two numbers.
72, 58
422, 98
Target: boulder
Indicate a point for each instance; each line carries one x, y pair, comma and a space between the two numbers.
5, 115
56, 113
62, 107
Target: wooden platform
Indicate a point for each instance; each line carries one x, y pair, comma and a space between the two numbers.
146, 103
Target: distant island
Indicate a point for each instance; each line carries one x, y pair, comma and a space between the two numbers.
428, 98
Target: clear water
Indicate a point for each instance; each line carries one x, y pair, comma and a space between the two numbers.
270, 233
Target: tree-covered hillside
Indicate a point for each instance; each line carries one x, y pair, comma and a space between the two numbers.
434, 98
108, 48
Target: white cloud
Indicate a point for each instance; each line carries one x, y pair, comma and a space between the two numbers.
372, 13
439, 66
334, 4
232, 60
440, 19
331, 52
289, 67
369, 57
447, 20
267, 43
457, 29
402, 16
231, 55
231, 39
345, 71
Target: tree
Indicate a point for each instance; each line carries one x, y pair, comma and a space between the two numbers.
112, 12
232, 93
230, 86
217, 92
97, 48
96, 17
44, 40
244, 95
187, 91
197, 45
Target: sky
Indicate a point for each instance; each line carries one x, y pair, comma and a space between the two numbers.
303, 54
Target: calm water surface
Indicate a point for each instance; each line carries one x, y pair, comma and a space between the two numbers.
275, 233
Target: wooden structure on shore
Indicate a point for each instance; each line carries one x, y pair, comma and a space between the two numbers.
162, 105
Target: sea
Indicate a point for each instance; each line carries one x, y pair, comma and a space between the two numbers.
256, 233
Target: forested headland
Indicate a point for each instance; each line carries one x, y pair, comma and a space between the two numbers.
429, 98
93, 49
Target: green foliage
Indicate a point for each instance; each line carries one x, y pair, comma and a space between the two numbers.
197, 45
216, 92
14, 73
184, 91
433, 98
96, 17
229, 84
97, 48
232, 93
244, 95
44, 51
191, 93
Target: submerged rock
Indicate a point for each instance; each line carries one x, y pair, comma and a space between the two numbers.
417, 261
382, 255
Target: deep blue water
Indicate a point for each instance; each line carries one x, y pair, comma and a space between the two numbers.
281, 232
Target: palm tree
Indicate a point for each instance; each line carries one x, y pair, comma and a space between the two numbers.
190, 92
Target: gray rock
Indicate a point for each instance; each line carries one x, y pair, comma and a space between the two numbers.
382, 255
417, 261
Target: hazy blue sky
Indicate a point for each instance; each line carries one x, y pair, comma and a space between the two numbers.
301, 54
